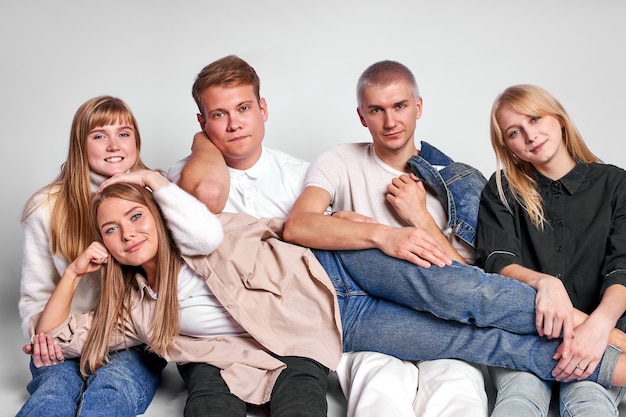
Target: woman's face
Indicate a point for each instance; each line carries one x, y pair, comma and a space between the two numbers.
534, 139
111, 149
129, 232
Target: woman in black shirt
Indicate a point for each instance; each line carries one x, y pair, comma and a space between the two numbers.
554, 216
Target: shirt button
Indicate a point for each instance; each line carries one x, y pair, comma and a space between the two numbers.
229, 306
559, 249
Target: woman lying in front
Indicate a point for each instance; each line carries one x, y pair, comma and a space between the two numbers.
272, 337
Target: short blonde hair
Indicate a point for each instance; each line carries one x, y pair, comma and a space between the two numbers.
228, 71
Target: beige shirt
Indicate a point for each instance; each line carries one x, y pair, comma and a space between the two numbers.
276, 291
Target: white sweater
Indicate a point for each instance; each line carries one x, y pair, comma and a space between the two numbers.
41, 270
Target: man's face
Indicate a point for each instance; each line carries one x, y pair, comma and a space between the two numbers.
234, 120
390, 113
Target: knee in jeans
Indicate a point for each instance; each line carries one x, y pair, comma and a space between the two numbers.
590, 398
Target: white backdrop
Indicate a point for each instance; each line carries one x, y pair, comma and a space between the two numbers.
56, 54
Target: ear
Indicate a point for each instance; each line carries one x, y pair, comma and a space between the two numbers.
361, 118
263, 107
201, 120
418, 104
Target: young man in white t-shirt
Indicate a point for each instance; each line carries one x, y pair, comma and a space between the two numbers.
234, 172
377, 203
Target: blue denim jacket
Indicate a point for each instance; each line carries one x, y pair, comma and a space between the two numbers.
458, 187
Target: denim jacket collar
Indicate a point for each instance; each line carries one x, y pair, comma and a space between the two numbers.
458, 186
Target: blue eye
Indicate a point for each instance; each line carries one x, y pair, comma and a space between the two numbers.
110, 230
534, 118
136, 216
513, 133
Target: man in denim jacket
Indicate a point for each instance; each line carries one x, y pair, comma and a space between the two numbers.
412, 204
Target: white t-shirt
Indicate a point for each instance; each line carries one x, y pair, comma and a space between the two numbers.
357, 180
267, 189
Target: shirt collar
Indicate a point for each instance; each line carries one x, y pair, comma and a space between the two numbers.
256, 170
570, 181
144, 288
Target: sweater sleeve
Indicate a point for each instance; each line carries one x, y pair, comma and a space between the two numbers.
39, 275
196, 231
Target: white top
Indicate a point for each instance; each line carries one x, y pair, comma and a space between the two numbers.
201, 315
357, 180
267, 189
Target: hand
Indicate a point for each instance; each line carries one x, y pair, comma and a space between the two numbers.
353, 216
90, 260
44, 350
407, 195
587, 349
414, 245
143, 177
554, 311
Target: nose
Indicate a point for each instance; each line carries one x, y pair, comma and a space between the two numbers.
531, 133
234, 122
389, 121
127, 234
113, 144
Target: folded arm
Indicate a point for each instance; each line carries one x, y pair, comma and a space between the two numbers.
205, 175
307, 225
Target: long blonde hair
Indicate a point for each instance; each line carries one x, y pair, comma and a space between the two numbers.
119, 282
70, 192
533, 101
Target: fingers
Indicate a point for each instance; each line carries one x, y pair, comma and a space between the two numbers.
423, 253
97, 253
574, 369
45, 351
28, 349
568, 336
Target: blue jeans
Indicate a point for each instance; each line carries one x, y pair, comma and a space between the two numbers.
123, 387
523, 394
392, 306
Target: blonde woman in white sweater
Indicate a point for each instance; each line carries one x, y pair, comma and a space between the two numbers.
104, 141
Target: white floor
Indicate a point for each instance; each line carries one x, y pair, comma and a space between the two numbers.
170, 398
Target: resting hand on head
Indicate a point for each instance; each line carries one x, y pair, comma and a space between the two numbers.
143, 177
90, 260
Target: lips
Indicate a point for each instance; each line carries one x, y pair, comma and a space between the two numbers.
134, 247
238, 139
538, 147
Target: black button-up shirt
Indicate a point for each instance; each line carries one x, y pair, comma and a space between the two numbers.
583, 242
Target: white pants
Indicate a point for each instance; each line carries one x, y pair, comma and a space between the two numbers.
378, 385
